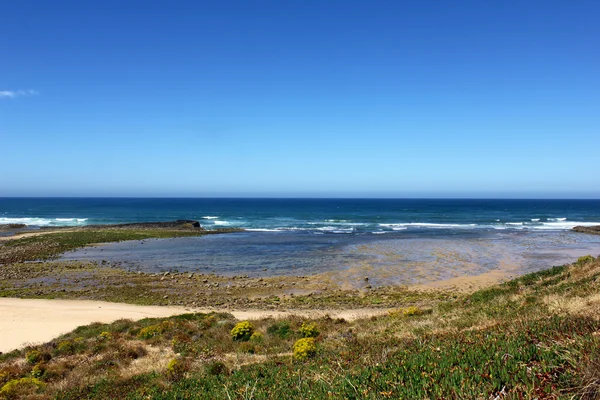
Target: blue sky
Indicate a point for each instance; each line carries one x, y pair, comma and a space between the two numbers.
300, 98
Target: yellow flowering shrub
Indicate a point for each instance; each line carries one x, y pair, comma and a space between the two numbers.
304, 348
20, 387
309, 330
242, 331
150, 331
33, 356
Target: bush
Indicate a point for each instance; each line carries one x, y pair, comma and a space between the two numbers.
304, 348
584, 260
150, 331
242, 331
246, 347
33, 356
216, 368
256, 337
176, 368
408, 312
38, 370
105, 336
66, 347
280, 329
20, 387
309, 330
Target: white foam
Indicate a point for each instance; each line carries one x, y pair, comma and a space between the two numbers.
557, 219
37, 221
210, 217
427, 225
264, 230
217, 222
535, 220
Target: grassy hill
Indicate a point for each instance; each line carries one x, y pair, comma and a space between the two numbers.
537, 336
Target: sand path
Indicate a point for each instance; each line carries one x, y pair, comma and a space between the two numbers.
21, 235
29, 321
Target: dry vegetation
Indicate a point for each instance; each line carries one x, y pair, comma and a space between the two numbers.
537, 336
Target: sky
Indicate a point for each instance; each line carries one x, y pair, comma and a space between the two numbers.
300, 98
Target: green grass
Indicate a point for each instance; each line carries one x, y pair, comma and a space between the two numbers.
507, 341
53, 244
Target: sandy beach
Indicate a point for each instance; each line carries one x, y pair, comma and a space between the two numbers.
34, 321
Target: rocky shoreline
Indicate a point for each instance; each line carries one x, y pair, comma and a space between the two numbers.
594, 230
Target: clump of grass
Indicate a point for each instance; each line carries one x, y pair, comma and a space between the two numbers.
242, 331
304, 348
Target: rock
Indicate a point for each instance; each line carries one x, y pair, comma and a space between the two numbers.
366, 279
594, 230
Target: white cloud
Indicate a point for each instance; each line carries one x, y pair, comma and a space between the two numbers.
17, 93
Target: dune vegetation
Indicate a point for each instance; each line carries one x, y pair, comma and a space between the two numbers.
537, 336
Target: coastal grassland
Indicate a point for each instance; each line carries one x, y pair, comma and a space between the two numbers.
49, 244
537, 336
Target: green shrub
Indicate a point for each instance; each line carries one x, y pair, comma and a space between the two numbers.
242, 331
38, 370
105, 336
246, 347
280, 329
407, 312
309, 330
584, 260
216, 368
176, 368
33, 356
150, 331
256, 337
20, 387
304, 348
66, 347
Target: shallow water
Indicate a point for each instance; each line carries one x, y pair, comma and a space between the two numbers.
400, 258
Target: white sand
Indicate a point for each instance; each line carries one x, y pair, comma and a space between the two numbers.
34, 321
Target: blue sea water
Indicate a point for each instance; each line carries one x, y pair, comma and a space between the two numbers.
398, 241
349, 216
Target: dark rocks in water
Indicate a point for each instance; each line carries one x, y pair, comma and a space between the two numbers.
179, 224
6, 227
594, 230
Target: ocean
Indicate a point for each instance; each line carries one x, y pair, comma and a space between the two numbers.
336, 216
393, 241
